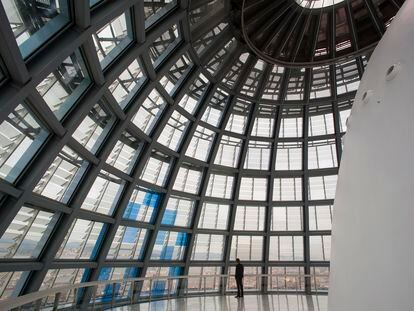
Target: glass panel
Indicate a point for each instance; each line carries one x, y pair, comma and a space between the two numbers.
237, 122
64, 277
157, 168
127, 84
128, 243
347, 77
258, 155
161, 287
320, 85
215, 108
120, 291
250, 218
286, 218
95, 127
273, 84
143, 205
104, 194
164, 45
82, 240
246, 247
214, 216
287, 189
287, 278
149, 112
264, 123
321, 124
228, 151
21, 136
27, 233
343, 116
220, 57
291, 127
286, 248
249, 87
188, 178
173, 133
296, 84
322, 154
155, 9
176, 74
201, 143
64, 86
113, 38
289, 156
233, 73
208, 247
191, 100
34, 23
220, 186
11, 283
201, 44
253, 189
197, 284
320, 247
63, 176
320, 217
178, 212
322, 187
250, 282
125, 153
170, 245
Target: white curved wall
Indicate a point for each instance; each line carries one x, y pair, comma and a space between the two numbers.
372, 263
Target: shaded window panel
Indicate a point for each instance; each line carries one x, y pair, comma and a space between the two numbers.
296, 84
201, 143
63, 176
228, 151
157, 168
196, 284
33, 24
27, 234
251, 281
104, 194
233, 73
170, 245
252, 188
176, 75
322, 154
258, 155
347, 77
320, 276
125, 153
287, 189
201, 44
272, 85
208, 247
21, 136
120, 291
246, 247
322, 187
173, 133
127, 84
95, 127
164, 45
215, 108
128, 244
161, 286
143, 205
249, 87
286, 248
178, 212
154, 10
286, 278
188, 179
289, 156
83, 240
264, 123
149, 112
287, 218
343, 116
113, 38
11, 283
239, 115
191, 100
321, 124
216, 62
320, 85
320, 247
220, 186
291, 127
250, 218
214, 216
320, 217
64, 86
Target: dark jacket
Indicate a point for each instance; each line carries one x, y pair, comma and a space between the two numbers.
239, 271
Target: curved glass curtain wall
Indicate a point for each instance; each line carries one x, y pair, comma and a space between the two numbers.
144, 140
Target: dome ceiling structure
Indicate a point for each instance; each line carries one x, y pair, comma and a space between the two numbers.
145, 138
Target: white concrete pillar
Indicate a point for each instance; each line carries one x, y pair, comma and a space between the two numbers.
372, 262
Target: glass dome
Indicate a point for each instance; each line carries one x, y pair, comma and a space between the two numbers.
143, 138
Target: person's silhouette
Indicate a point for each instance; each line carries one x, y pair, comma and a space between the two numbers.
239, 278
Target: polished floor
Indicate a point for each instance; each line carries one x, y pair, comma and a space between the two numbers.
229, 303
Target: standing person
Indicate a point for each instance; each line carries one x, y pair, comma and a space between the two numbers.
239, 278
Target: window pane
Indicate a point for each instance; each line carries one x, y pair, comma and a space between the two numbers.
35, 23
258, 155
220, 186
321, 124
127, 244
11, 283
143, 205
287, 218
214, 216
173, 133
157, 168
320, 247
154, 10
191, 100
246, 247
253, 189
250, 218
176, 74
320, 217
200, 144
287, 189
63, 86
160, 287
21, 136
228, 151
289, 156
286, 248
322, 154
27, 233
322, 187
237, 122
178, 212
122, 291
208, 247
63, 176
164, 45
188, 179
170, 245
215, 108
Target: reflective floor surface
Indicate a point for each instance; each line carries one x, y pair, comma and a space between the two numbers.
229, 303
